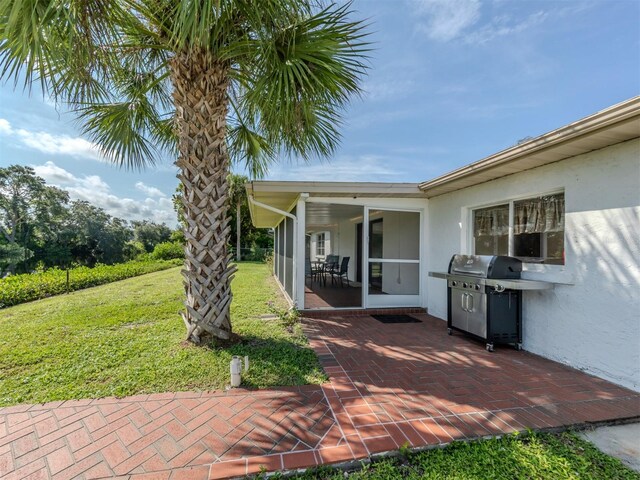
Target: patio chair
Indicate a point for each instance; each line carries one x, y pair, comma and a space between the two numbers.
309, 271
342, 274
331, 263
324, 267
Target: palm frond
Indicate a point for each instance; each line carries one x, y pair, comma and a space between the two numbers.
252, 150
293, 67
119, 129
102, 61
301, 76
135, 125
56, 43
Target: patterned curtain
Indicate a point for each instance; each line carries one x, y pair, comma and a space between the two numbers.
538, 215
492, 221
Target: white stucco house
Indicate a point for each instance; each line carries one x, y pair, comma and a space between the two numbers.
567, 203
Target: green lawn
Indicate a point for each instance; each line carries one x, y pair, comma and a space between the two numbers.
534, 456
127, 337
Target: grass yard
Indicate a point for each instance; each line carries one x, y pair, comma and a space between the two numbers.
126, 338
533, 456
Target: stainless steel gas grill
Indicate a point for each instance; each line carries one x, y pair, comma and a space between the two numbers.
484, 297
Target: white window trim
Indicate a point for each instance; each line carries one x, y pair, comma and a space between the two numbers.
322, 235
527, 266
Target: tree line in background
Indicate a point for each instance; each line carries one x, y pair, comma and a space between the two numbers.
40, 228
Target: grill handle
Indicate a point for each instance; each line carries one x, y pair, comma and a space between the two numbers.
469, 272
466, 302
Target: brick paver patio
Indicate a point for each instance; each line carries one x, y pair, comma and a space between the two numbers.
391, 384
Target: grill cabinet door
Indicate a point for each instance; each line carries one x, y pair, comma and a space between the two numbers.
477, 313
458, 312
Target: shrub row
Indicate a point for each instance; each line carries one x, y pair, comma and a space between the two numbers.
168, 251
22, 288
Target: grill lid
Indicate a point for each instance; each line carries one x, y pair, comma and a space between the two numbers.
485, 266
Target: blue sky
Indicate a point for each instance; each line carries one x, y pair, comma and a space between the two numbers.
451, 82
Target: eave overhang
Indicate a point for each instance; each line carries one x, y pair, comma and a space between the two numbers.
615, 124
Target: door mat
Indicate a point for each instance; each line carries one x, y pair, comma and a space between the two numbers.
396, 319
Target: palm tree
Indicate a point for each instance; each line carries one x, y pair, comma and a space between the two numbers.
204, 80
236, 197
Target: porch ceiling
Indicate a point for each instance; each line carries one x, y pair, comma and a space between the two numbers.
319, 215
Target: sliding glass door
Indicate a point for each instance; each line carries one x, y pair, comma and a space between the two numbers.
393, 262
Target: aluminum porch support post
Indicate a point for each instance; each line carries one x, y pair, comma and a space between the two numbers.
300, 252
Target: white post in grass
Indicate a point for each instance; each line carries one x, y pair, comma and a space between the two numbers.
236, 371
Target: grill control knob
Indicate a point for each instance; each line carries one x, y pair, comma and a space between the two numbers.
477, 287
465, 285
454, 283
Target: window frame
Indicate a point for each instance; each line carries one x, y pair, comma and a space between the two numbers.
511, 236
321, 252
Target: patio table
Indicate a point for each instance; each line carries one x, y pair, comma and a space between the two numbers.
319, 266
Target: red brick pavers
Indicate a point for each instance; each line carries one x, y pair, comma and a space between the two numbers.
183, 435
390, 385
412, 384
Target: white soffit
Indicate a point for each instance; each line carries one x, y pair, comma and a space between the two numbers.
613, 125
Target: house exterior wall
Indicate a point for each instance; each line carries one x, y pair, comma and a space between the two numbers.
590, 320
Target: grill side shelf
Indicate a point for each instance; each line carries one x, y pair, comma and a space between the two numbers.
507, 284
442, 275
519, 284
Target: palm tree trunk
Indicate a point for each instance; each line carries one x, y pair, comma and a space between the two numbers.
238, 227
200, 97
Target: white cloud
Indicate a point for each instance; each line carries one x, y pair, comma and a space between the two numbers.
93, 189
503, 26
5, 127
53, 144
388, 89
423, 151
363, 168
444, 20
54, 174
368, 119
151, 191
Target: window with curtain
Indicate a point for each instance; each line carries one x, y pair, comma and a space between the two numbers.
491, 230
538, 229
535, 224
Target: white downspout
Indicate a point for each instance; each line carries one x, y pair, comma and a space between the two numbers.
253, 201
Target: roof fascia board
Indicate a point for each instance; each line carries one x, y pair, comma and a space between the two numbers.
616, 114
348, 188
